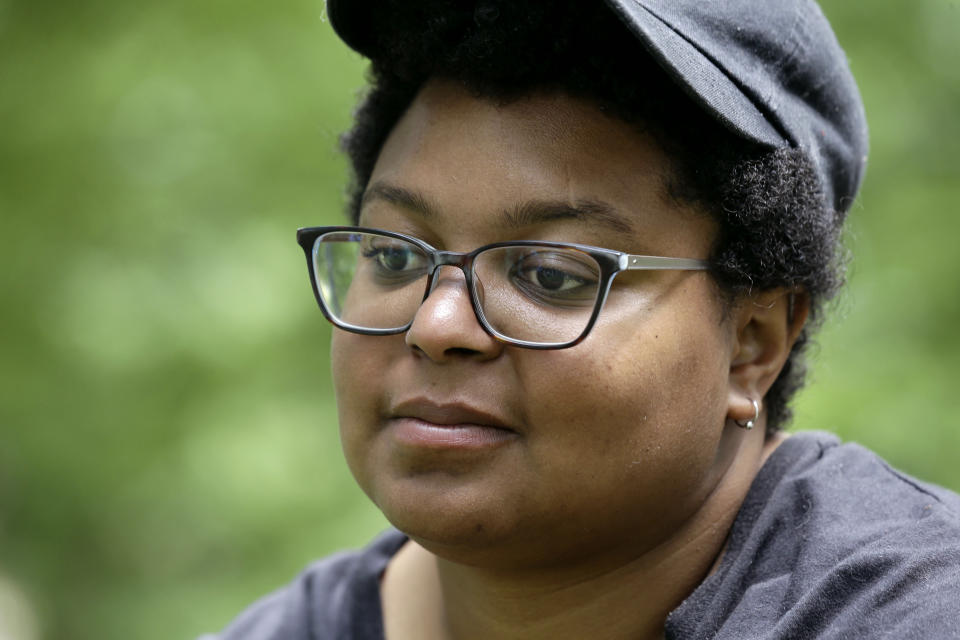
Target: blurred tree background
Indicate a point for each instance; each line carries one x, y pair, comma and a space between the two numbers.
168, 447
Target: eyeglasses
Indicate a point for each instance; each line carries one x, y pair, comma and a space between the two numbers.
538, 295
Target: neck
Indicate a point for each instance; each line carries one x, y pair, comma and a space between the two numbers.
626, 598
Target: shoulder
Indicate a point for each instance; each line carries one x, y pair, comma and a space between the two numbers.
832, 542
329, 599
824, 486
851, 496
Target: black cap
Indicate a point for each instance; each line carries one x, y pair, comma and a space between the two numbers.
769, 70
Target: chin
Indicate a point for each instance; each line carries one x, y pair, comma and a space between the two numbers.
453, 520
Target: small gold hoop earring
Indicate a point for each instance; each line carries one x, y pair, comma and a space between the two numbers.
752, 421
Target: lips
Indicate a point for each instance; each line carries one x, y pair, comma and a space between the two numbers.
448, 414
424, 423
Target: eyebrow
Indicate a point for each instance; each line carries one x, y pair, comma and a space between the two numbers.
539, 211
528, 213
412, 200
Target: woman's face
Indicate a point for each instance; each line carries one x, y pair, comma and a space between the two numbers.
607, 447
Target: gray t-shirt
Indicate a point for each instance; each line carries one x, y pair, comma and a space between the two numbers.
830, 542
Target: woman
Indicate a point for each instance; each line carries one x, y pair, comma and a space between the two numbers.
588, 244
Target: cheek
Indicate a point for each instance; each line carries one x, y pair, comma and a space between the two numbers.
669, 380
642, 409
357, 370
361, 367
346, 361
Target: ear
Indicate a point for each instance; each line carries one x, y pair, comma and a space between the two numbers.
767, 325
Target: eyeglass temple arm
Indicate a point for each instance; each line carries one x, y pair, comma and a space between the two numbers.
631, 262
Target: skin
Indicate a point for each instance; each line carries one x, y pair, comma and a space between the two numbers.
611, 496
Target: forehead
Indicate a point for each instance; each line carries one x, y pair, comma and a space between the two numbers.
470, 160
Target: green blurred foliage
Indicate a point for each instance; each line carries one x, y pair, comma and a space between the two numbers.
168, 446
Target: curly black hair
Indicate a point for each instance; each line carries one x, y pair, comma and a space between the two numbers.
776, 227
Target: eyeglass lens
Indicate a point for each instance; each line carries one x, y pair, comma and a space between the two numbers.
534, 293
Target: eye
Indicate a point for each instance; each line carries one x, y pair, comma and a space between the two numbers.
550, 278
395, 260
555, 275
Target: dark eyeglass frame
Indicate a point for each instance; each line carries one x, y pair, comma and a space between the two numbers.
611, 263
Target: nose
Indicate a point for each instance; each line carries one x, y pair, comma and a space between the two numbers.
446, 328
